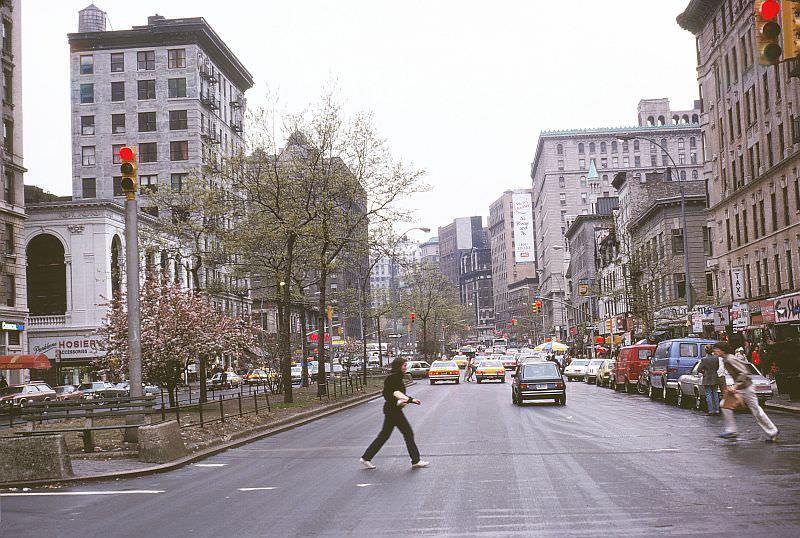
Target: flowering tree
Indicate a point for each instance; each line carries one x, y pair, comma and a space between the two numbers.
177, 327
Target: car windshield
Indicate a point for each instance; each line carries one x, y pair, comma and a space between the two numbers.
460, 358
10, 390
579, 362
508, 357
297, 369
595, 362
490, 364
444, 364
536, 371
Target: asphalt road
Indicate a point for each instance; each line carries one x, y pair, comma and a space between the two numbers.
606, 464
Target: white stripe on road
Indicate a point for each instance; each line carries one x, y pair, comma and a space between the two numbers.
210, 464
256, 489
64, 493
365, 485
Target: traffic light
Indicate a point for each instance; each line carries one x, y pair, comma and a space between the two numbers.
127, 156
790, 18
513, 321
768, 31
537, 306
413, 315
330, 313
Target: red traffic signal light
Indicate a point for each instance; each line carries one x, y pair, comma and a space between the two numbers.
768, 31
769, 9
127, 156
126, 153
513, 321
413, 315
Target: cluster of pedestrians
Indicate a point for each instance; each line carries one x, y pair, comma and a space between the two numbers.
717, 361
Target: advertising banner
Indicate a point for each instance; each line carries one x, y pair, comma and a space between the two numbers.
522, 217
67, 348
740, 317
787, 309
737, 283
722, 318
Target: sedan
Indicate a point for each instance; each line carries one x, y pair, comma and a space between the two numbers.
576, 369
509, 361
96, 390
538, 381
68, 392
604, 373
444, 371
591, 370
460, 360
490, 369
418, 369
691, 392
232, 380
29, 392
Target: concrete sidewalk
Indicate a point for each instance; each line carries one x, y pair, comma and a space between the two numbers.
781, 402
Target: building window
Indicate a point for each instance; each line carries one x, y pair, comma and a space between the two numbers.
562, 183
147, 89
117, 62
7, 42
152, 211
179, 151
87, 156
635, 145
11, 290
87, 64
146, 60
10, 187
148, 184
177, 120
653, 160
592, 147
709, 284
605, 179
87, 93
117, 185
603, 162
176, 87
87, 125
582, 164
10, 239
637, 161
681, 158
679, 279
563, 216
147, 122
584, 198
626, 161
117, 91
176, 58
115, 153
581, 148
117, 123
562, 198
560, 149
8, 86
89, 187
176, 182
677, 241
561, 164
148, 152
583, 181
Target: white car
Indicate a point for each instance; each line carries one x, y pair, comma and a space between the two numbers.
591, 370
576, 369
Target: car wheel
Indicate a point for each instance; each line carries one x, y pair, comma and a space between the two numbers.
478, 380
458, 381
503, 380
564, 399
680, 401
627, 386
513, 397
585, 378
698, 401
433, 382
651, 393
664, 390
597, 381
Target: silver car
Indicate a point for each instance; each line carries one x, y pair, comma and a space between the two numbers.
691, 392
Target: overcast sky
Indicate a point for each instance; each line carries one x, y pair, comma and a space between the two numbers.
458, 87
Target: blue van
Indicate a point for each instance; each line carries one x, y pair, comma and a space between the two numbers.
672, 359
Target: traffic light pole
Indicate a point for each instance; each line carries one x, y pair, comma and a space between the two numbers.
134, 320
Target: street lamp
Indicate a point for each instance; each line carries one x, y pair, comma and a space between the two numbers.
688, 282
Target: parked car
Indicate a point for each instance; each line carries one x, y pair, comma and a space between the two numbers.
26, 393
672, 359
576, 369
629, 365
95, 390
418, 369
591, 370
538, 381
604, 373
259, 376
691, 392
444, 371
232, 380
490, 369
68, 392
146, 389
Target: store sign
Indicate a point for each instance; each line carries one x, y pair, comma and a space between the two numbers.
697, 323
740, 317
9, 326
737, 283
722, 318
522, 215
67, 348
787, 309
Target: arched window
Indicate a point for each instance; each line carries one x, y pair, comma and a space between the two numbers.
635, 145
680, 144
624, 145
651, 121
694, 174
683, 175
664, 145
661, 120
560, 149
602, 147
47, 276
692, 142
676, 119
685, 118
613, 146
592, 147
580, 148
695, 119
116, 267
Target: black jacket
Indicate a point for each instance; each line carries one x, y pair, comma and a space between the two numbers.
708, 367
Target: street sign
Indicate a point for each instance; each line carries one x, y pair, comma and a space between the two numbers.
737, 283
583, 289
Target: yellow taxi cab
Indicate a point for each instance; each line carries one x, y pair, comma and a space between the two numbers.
490, 369
444, 371
461, 361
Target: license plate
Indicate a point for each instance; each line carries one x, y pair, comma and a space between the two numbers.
541, 387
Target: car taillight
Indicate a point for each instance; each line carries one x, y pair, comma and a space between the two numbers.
559, 385
523, 385
479, 371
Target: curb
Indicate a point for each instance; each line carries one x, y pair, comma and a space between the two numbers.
781, 407
237, 439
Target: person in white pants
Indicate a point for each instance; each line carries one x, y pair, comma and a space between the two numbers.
743, 385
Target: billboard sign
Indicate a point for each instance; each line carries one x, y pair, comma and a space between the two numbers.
522, 217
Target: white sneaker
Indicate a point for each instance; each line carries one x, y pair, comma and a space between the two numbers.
367, 464
420, 464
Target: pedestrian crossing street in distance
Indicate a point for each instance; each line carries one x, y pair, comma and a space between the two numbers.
496, 469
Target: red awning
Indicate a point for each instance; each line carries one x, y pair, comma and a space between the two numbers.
24, 362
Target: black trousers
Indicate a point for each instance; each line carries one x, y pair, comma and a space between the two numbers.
391, 420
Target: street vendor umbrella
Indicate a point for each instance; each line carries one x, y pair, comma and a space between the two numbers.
554, 346
540, 347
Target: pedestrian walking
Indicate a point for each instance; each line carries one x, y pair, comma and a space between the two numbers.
468, 370
709, 366
742, 388
395, 400
755, 355
740, 354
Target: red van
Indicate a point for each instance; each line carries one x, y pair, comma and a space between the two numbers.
631, 361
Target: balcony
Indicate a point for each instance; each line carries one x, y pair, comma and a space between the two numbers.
209, 99
47, 321
209, 134
207, 72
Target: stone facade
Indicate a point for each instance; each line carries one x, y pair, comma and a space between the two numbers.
573, 168
751, 127
13, 307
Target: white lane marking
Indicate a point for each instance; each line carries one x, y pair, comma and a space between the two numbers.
65, 493
257, 489
364, 485
210, 464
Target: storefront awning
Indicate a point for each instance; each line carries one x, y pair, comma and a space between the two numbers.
24, 362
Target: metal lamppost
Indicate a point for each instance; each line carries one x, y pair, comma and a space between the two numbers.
686, 276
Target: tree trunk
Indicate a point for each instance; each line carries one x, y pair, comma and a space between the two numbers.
285, 332
322, 387
425, 339
364, 330
202, 370
380, 348
304, 337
